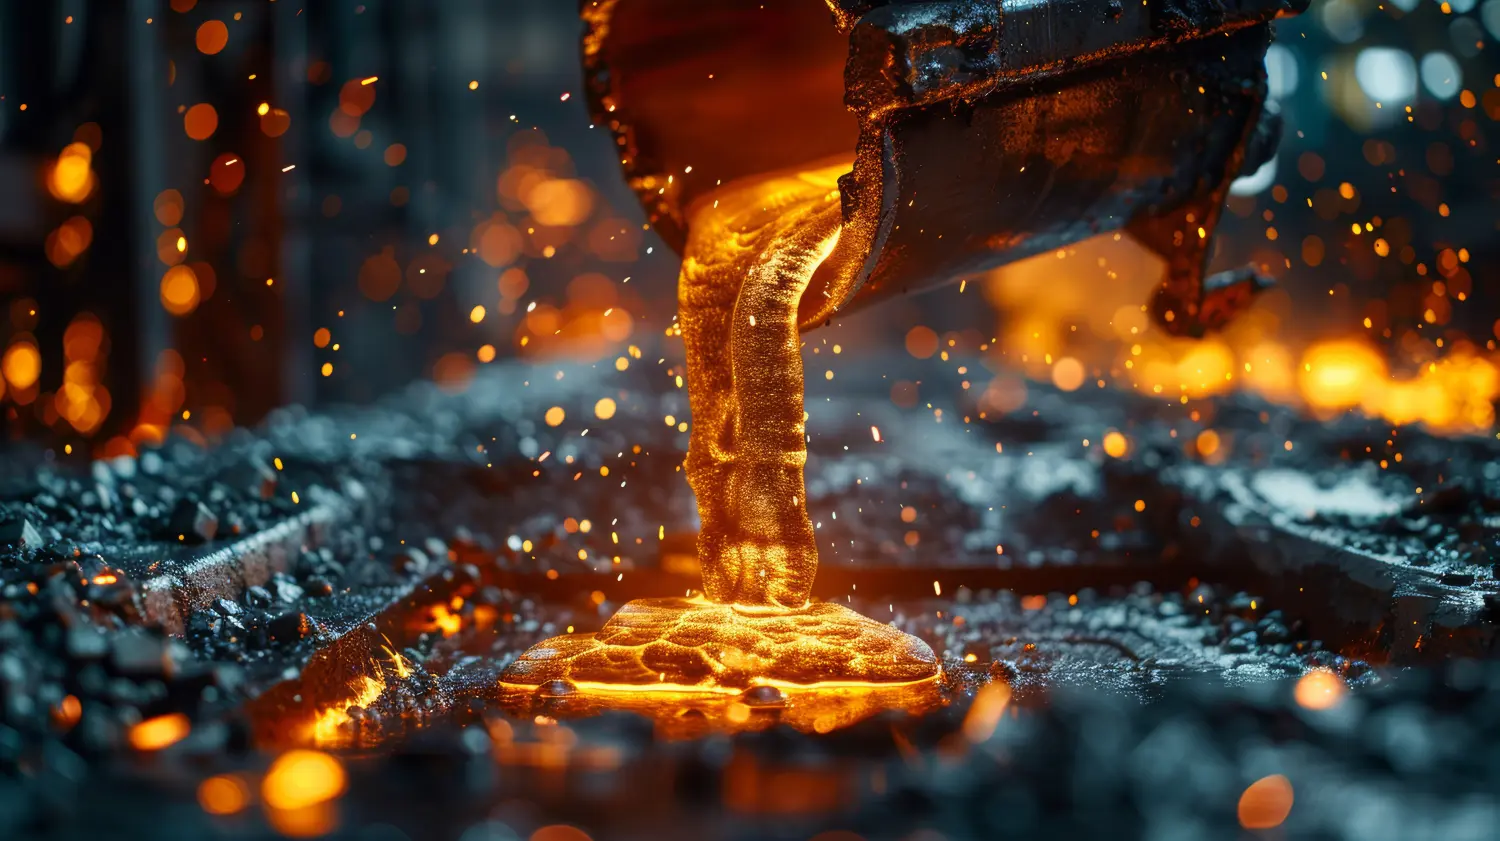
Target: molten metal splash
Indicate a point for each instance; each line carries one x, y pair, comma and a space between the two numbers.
751, 252
328, 727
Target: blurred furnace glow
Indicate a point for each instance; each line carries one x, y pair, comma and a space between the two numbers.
1441, 75
1386, 75
1336, 375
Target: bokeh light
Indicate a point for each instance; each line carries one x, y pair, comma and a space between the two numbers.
179, 290
1267, 803
301, 778
71, 178
201, 121
212, 37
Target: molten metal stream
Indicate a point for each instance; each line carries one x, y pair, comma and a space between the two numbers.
751, 252
750, 255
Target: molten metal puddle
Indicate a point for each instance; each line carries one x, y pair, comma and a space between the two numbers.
698, 646
751, 253
691, 711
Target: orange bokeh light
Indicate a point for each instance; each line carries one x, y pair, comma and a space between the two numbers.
356, 97
201, 121
496, 241
275, 122
1068, 374
559, 202
167, 249
69, 241
22, 365
1116, 445
1207, 443
301, 778
226, 174
160, 732
1266, 803
212, 37
225, 794
71, 178
168, 207
921, 341
453, 371
1319, 689
380, 275
180, 294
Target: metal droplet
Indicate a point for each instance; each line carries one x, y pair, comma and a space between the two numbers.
558, 688
762, 696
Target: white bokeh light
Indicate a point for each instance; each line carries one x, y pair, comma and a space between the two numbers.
1441, 75
1282, 73
1386, 75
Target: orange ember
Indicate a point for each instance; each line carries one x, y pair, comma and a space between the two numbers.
751, 253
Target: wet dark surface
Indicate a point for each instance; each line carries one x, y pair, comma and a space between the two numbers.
1149, 617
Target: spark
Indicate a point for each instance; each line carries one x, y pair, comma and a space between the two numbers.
403, 668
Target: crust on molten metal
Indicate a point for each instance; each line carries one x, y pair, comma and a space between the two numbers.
697, 645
